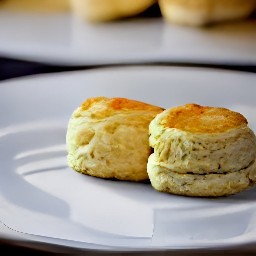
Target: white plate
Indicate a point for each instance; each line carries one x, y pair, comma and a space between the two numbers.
41, 199
62, 39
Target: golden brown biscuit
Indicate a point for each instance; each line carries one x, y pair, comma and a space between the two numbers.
107, 10
202, 12
108, 138
199, 143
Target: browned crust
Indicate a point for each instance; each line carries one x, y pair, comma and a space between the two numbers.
119, 104
203, 119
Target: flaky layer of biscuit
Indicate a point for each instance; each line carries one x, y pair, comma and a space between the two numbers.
108, 138
184, 140
209, 185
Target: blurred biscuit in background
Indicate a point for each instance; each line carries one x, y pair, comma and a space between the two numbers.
108, 10
203, 12
36, 5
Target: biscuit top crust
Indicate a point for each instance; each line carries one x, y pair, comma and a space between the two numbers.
203, 119
119, 104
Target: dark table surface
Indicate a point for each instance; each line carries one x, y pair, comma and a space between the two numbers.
9, 248
13, 68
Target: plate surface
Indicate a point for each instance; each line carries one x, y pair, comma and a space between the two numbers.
41, 199
63, 39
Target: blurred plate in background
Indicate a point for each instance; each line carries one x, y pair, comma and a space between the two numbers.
63, 39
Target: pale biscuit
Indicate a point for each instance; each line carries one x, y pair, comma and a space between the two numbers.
108, 138
107, 10
208, 185
202, 142
202, 12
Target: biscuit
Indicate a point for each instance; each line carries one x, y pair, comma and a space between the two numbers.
202, 12
208, 185
107, 10
196, 145
108, 138
37, 5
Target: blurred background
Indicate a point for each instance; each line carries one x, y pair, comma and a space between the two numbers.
45, 36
